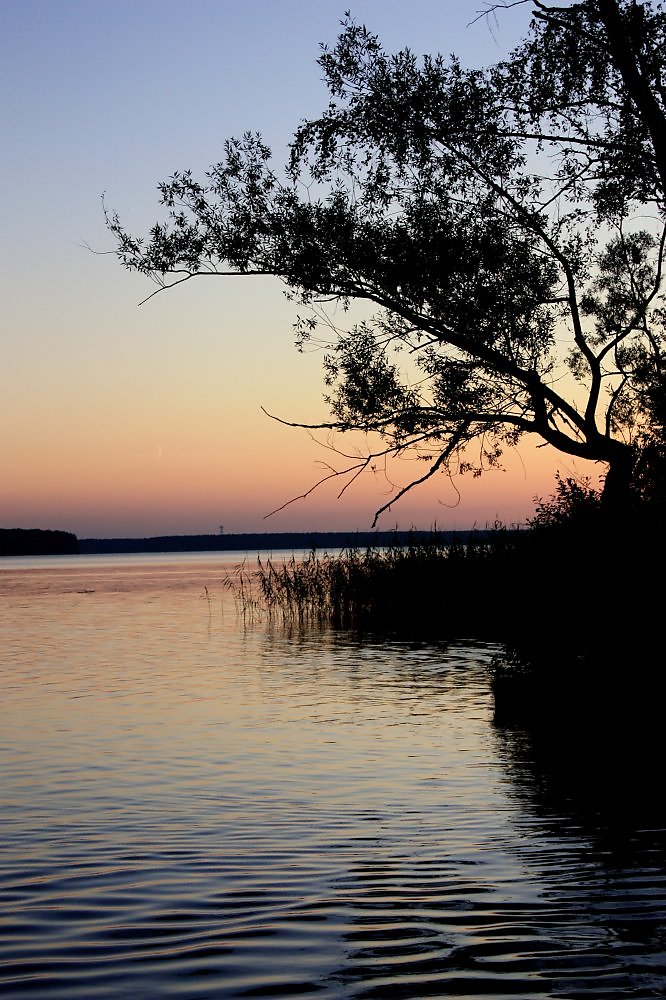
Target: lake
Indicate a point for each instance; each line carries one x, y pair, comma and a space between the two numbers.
196, 805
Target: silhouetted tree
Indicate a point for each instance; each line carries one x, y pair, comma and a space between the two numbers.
506, 224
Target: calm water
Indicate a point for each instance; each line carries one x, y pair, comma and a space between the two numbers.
194, 806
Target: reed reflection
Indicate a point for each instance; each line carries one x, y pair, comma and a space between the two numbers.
592, 828
388, 667
227, 811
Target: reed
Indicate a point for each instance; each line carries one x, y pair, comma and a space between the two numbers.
427, 585
543, 595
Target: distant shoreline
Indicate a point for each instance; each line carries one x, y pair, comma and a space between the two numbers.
261, 541
19, 541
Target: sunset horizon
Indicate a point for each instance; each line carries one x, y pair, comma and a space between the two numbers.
128, 420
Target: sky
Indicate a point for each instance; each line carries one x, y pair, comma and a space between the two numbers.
121, 419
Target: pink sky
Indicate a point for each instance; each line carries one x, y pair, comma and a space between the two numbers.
125, 420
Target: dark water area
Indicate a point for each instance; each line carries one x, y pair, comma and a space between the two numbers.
197, 805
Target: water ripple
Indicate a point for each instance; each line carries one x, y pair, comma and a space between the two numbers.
195, 809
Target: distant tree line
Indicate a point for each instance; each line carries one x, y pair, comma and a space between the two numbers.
37, 542
268, 541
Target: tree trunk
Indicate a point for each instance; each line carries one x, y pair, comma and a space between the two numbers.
617, 494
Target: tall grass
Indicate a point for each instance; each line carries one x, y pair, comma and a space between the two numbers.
427, 586
576, 608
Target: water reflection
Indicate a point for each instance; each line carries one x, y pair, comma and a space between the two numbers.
197, 808
592, 825
607, 781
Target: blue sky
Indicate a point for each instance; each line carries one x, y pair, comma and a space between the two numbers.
120, 419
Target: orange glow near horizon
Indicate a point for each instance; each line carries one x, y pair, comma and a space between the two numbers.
126, 420
188, 483
157, 428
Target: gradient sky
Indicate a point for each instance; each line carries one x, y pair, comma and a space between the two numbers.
119, 419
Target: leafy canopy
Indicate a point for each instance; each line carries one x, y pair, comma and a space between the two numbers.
505, 224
